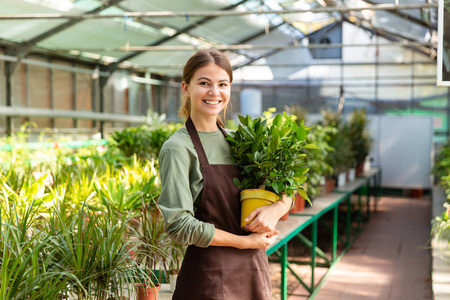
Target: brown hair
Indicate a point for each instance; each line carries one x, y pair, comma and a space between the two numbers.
196, 61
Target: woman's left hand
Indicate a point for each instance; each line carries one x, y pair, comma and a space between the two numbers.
266, 217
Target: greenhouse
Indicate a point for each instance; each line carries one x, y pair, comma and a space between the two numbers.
340, 109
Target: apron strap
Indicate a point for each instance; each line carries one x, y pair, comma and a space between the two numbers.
197, 143
225, 134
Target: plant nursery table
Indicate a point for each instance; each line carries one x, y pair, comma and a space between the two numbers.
370, 184
311, 216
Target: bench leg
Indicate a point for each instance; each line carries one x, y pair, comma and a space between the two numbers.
283, 262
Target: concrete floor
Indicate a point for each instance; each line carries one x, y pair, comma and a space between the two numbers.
389, 260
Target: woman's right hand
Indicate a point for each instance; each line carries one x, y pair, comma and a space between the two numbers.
261, 240
253, 241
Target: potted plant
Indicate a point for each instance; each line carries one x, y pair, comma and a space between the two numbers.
319, 166
269, 151
177, 254
342, 158
360, 139
316, 159
153, 252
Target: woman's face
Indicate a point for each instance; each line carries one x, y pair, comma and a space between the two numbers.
209, 91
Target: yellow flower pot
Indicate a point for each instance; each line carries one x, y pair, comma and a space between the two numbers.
252, 199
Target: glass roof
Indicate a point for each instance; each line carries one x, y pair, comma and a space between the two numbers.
272, 35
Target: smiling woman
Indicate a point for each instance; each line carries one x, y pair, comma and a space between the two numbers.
209, 93
201, 203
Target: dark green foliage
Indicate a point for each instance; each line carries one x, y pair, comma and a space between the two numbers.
270, 155
145, 140
316, 159
360, 139
342, 158
442, 161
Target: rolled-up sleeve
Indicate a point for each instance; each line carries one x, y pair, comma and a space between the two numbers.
176, 200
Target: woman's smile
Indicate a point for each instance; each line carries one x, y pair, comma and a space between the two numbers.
209, 92
211, 102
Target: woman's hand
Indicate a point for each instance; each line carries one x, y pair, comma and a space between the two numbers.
252, 241
261, 240
265, 218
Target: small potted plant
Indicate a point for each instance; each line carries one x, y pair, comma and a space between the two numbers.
342, 158
153, 252
177, 252
316, 160
360, 138
269, 151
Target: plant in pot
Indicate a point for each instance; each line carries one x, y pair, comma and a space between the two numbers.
360, 138
177, 252
316, 159
342, 158
441, 166
319, 166
153, 252
269, 151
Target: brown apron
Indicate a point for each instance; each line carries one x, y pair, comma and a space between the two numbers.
223, 273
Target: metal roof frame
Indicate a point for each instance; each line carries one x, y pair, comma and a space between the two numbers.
22, 49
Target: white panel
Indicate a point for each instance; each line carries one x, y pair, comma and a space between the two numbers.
403, 148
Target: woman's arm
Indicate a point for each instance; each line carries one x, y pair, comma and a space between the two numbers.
252, 241
265, 218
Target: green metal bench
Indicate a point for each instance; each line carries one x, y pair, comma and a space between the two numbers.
311, 216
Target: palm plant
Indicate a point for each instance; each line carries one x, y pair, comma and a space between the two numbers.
26, 266
123, 189
154, 248
93, 247
342, 158
360, 139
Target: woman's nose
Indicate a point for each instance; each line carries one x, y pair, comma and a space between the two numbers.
214, 90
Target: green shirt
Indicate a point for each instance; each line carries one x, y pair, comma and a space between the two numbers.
182, 184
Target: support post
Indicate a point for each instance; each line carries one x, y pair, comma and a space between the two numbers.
335, 233
348, 221
359, 217
283, 263
313, 253
103, 81
9, 71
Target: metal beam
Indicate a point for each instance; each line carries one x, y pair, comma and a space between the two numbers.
428, 49
133, 53
184, 14
69, 114
244, 47
67, 24
316, 63
406, 16
9, 58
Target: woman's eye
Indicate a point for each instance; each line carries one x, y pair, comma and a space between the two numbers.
203, 83
223, 84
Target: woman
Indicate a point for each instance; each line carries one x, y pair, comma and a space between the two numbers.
200, 202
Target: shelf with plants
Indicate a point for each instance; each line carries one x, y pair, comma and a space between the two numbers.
441, 170
440, 233
68, 221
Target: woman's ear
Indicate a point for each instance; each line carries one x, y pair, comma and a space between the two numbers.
184, 87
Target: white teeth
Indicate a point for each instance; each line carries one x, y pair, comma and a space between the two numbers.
212, 102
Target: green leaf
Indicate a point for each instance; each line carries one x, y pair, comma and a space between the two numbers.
277, 121
302, 170
285, 131
249, 122
277, 187
310, 146
301, 133
256, 155
304, 195
243, 120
